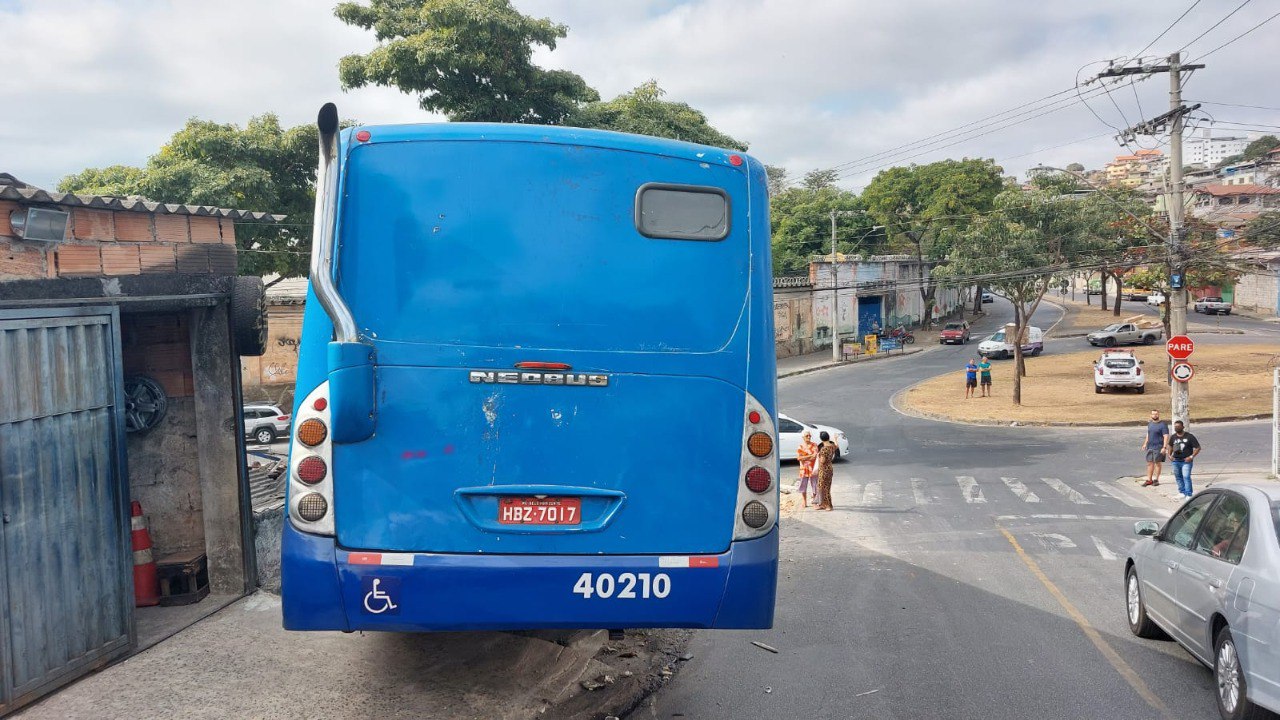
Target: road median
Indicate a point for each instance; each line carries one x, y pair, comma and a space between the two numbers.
1230, 384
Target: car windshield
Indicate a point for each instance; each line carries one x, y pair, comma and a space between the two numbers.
953, 326
1120, 363
1112, 328
998, 337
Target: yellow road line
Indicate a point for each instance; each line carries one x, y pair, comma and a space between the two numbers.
1130, 676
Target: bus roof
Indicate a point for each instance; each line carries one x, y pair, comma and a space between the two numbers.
547, 134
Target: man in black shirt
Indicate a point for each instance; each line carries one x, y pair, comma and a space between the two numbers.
1183, 449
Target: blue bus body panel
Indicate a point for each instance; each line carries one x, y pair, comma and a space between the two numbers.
474, 247
507, 592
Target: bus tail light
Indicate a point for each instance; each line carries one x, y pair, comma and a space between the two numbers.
757, 507
311, 465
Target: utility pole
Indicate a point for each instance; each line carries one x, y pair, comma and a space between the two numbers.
1181, 395
835, 295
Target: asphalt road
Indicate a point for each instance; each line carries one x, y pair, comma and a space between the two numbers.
967, 572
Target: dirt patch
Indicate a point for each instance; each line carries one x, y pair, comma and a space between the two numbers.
1230, 383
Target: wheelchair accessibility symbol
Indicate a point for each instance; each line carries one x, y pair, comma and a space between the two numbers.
379, 596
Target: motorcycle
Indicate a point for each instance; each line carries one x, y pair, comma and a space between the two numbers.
902, 335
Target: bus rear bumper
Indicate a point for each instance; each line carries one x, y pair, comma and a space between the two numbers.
325, 587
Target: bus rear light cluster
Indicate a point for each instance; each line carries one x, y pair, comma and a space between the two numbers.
757, 492
311, 465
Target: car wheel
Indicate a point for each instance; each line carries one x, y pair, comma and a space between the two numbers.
1142, 390
1037, 351
1149, 340
1109, 342
1139, 623
1097, 388
1233, 700
1226, 312
264, 435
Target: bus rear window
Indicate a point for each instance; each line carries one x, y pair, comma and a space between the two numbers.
682, 212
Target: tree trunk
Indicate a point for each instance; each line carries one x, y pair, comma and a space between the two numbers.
1103, 295
1020, 325
977, 300
1115, 309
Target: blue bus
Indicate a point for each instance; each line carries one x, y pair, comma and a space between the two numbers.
536, 385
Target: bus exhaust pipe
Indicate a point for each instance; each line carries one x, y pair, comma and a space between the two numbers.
350, 361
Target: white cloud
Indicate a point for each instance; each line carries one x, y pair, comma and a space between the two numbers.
813, 84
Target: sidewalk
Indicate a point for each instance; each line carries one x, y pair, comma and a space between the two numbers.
240, 663
821, 360
1166, 495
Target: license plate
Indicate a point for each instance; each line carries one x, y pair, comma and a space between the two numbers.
540, 511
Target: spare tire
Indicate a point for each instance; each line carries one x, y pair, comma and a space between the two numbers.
249, 316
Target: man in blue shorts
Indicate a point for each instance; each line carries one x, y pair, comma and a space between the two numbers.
970, 378
1157, 436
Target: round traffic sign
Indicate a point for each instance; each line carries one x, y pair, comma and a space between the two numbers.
1182, 371
1180, 347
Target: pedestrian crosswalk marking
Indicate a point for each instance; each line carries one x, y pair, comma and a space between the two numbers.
872, 495
1021, 490
917, 489
1067, 491
1103, 550
1104, 487
971, 489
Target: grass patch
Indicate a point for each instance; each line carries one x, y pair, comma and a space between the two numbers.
1231, 381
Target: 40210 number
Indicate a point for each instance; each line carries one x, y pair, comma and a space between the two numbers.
627, 586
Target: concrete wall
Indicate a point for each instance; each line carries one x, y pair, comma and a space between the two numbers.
793, 321
1259, 291
271, 378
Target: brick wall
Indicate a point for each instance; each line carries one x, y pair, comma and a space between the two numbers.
158, 345
106, 243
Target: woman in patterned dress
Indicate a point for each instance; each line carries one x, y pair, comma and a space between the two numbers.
807, 454
826, 470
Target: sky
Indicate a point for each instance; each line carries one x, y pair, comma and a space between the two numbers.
856, 85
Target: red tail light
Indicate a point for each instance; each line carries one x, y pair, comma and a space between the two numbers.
758, 479
533, 365
282, 417
312, 470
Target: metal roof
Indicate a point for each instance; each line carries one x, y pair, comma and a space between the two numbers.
13, 189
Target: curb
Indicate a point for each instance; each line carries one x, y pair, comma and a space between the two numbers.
827, 366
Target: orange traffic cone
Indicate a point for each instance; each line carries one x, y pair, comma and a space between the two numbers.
146, 586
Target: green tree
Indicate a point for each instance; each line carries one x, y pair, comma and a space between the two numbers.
800, 223
261, 167
1023, 249
819, 179
469, 59
1264, 231
644, 112
924, 207
1118, 236
777, 179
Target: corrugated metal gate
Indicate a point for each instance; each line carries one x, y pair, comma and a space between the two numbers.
65, 594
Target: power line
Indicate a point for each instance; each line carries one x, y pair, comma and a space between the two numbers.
1165, 31
1236, 105
1246, 32
1211, 28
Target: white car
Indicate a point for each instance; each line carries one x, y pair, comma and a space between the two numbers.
790, 429
1156, 298
1118, 369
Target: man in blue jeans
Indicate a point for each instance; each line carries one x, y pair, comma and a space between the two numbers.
1183, 447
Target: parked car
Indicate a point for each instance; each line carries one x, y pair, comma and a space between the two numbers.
1118, 369
790, 429
1125, 334
954, 332
988, 297
1212, 306
265, 423
1156, 299
1210, 579
996, 345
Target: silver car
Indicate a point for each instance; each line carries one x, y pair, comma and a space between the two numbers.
1210, 579
265, 423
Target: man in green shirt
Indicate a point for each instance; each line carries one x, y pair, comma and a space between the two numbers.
985, 367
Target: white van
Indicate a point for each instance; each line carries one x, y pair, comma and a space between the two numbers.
999, 346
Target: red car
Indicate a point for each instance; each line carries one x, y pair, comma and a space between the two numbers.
954, 332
